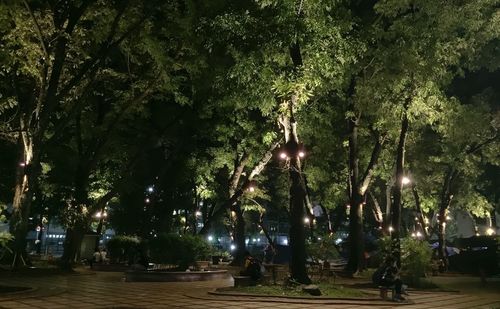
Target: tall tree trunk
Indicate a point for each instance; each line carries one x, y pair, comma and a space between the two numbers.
420, 214
356, 237
239, 236
75, 232
377, 211
27, 172
297, 197
446, 197
398, 187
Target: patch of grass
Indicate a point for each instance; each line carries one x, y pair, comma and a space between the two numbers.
327, 290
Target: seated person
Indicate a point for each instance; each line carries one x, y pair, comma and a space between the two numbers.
252, 267
388, 275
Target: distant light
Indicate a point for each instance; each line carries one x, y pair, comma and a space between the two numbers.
251, 188
210, 238
200, 203
490, 231
405, 180
302, 154
285, 242
319, 238
448, 218
413, 235
233, 213
338, 241
477, 234
258, 239
233, 247
98, 214
283, 155
391, 229
419, 234
150, 189
22, 164
247, 241
198, 213
174, 212
306, 220
105, 214
147, 200
254, 240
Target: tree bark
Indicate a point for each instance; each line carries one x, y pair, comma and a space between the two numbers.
355, 262
239, 236
398, 187
27, 172
297, 197
420, 214
377, 211
446, 198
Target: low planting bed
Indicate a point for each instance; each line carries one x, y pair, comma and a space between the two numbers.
174, 276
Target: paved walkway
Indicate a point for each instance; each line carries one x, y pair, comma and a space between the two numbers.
107, 290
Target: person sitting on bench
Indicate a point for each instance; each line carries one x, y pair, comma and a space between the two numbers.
388, 275
252, 267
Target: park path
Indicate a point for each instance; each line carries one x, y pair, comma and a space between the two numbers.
108, 290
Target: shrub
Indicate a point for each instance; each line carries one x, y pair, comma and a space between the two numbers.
415, 257
122, 247
323, 249
182, 250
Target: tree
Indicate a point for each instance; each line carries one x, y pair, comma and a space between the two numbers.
48, 69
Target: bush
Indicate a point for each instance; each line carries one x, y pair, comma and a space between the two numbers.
182, 250
122, 248
415, 257
323, 249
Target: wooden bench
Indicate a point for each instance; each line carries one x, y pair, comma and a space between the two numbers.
240, 281
384, 291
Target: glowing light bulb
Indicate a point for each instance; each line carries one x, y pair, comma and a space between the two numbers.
302, 154
405, 180
283, 155
391, 229
490, 231
306, 220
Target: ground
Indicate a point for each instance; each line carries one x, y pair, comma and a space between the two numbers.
108, 290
